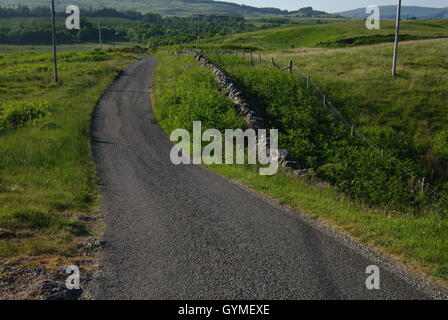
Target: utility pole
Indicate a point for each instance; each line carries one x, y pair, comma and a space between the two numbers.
113, 41
199, 32
53, 34
101, 38
397, 35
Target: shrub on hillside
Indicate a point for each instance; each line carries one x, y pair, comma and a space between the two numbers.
372, 177
385, 178
19, 114
393, 142
319, 141
305, 128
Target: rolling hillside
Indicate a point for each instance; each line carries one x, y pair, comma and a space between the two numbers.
165, 7
390, 12
330, 33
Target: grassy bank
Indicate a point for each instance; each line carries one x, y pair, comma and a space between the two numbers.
320, 142
413, 103
418, 241
48, 187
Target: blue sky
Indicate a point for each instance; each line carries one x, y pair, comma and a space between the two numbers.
335, 6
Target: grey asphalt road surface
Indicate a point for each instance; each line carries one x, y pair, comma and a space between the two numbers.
184, 232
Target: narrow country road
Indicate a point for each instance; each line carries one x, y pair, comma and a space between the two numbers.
183, 232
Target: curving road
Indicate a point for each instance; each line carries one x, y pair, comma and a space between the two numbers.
183, 232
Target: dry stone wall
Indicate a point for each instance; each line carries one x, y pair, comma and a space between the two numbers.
253, 120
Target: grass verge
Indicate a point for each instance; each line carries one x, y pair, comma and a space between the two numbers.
48, 186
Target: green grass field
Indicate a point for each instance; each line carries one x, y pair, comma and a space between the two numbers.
364, 87
47, 176
263, 21
299, 36
413, 103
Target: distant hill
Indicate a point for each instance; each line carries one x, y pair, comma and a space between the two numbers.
164, 7
390, 12
309, 12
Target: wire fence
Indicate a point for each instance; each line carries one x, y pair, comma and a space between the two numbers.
256, 60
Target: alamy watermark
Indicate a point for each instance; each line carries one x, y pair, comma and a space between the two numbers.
235, 147
373, 21
74, 20
73, 280
373, 280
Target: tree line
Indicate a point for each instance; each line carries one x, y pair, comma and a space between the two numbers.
151, 29
23, 11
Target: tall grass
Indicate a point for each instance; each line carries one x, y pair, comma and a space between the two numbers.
47, 176
359, 82
195, 98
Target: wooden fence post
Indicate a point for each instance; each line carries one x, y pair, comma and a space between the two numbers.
259, 57
308, 81
273, 62
290, 66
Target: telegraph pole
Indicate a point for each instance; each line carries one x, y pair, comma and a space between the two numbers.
113, 41
199, 33
53, 33
397, 35
101, 38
